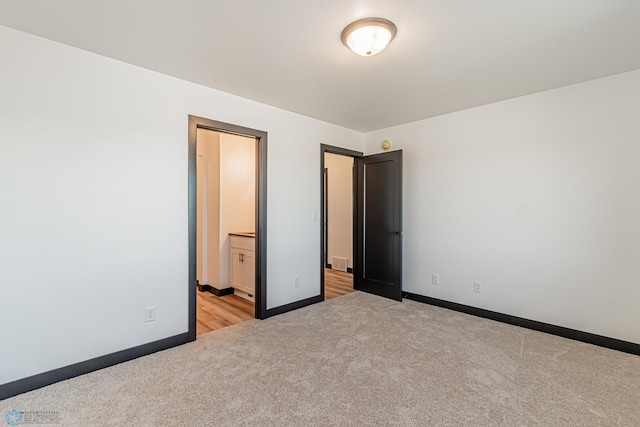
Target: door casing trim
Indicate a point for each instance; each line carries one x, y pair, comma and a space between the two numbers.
196, 123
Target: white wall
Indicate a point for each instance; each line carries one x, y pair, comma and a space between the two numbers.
93, 184
537, 197
237, 194
340, 206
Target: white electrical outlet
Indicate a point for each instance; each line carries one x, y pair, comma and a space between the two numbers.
150, 314
477, 286
435, 279
314, 216
296, 281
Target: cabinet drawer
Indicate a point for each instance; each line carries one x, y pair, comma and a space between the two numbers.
248, 243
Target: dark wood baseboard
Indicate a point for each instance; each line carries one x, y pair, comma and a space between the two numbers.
221, 292
573, 334
293, 306
47, 378
215, 291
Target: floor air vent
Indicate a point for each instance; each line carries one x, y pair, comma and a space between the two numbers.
339, 264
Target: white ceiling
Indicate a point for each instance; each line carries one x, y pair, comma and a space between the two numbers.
448, 55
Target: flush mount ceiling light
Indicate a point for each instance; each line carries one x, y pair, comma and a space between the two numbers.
368, 36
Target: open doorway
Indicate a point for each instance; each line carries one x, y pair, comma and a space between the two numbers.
225, 240
338, 210
227, 224
376, 222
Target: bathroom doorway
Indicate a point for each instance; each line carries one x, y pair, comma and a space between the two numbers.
227, 217
225, 239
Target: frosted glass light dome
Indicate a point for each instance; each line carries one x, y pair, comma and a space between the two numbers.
368, 36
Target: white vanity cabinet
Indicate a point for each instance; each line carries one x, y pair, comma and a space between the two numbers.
242, 269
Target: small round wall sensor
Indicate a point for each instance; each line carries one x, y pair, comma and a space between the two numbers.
386, 145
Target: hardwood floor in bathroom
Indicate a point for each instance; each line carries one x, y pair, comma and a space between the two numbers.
337, 283
217, 312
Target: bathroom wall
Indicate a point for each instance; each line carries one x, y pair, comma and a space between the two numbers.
208, 207
237, 193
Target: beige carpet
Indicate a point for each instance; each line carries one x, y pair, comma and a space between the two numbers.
357, 360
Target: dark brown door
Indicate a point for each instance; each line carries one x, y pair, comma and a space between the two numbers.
379, 225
